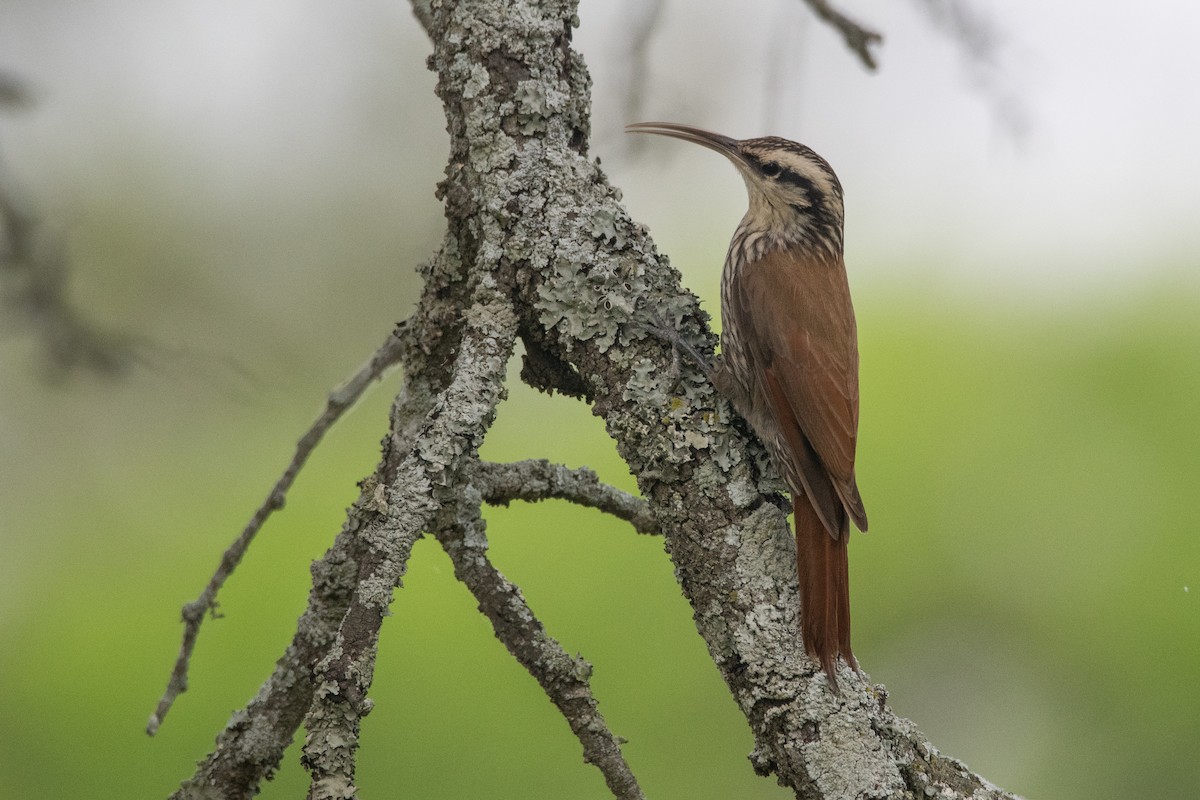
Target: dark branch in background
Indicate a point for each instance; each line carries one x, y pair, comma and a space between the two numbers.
14, 93
981, 45
194, 613
857, 38
34, 275
640, 22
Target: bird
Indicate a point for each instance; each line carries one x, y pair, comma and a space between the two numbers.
789, 360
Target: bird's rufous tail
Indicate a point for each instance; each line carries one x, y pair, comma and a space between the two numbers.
824, 571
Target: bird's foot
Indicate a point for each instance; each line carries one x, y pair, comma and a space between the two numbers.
660, 330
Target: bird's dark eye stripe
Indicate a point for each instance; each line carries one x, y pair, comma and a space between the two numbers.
797, 180
773, 169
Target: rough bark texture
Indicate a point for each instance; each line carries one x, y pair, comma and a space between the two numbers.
539, 248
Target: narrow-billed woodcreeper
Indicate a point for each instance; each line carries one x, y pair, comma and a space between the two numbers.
789, 360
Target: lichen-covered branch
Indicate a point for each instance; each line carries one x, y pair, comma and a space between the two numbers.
564, 678
419, 482
251, 746
373, 542
538, 479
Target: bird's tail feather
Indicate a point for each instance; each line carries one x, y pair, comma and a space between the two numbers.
824, 570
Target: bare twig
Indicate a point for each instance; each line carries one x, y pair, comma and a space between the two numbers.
194, 613
538, 479
562, 677
640, 19
251, 747
858, 38
981, 44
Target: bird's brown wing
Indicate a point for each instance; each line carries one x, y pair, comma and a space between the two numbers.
805, 334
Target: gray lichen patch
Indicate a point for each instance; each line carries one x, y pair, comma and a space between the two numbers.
536, 102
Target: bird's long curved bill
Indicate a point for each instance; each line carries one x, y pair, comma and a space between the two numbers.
713, 141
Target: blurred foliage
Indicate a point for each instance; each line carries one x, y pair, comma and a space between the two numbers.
1028, 592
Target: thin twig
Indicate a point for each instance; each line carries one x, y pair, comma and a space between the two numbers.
538, 479
857, 38
982, 45
194, 613
563, 678
641, 18
251, 747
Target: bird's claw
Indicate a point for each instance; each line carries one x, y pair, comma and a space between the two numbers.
671, 336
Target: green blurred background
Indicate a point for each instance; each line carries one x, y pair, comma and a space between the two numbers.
1030, 447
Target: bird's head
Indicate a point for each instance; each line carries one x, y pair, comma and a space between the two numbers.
795, 197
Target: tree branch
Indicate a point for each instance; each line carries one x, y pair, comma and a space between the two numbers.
462, 534
195, 612
537, 480
251, 747
428, 476
858, 38
34, 277
982, 46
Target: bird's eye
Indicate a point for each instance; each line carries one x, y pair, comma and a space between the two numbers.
771, 170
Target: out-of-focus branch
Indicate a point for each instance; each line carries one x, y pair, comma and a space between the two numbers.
34, 273
640, 22
857, 37
14, 93
981, 44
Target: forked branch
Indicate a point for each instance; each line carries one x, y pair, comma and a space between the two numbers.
562, 677
423, 473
